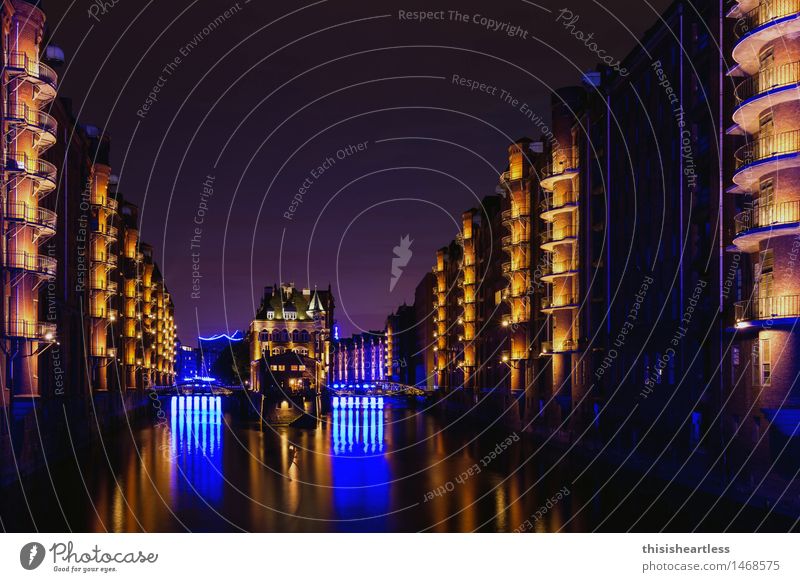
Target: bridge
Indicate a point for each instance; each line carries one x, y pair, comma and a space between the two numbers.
374, 389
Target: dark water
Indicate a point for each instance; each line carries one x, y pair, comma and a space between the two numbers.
361, 470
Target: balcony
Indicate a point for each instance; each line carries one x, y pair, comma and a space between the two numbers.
508, 216
765, 89
31, 263
44, 126
109, 259
749, 313
766, 154
764, 222
559, 269
563, 165
32, 70
769, 20
43, 173
553, 204
564, 347
105, 231
554, 237
30, 215
550, 304
30, 330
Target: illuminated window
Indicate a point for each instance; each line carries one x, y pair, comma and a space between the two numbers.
270, 315
766, 364
766, 125
766, 58
515, 167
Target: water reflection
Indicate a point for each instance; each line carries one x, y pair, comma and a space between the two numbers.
196, 444
359, 465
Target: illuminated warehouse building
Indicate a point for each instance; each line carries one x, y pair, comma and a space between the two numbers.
290, 340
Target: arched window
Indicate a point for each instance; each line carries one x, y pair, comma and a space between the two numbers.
301, 351
295, 336
284, 336
263, 336
277, 351
276, 336
304, 337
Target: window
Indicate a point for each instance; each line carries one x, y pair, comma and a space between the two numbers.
304, 337
296, 336
285, 336
263, 336
766, 364
766, 58
766, 192
754, 359
766, 124
270, 315
290, 314
276, 336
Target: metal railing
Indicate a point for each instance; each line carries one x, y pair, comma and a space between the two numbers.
563, 159
768, 308
559, 267
559, 234
767, 11
555, 302
768, 215
515, 214
18, 328
768, 79
23, 212
32, 263
554, 201
31, 166
22, 113
768, 146
32, 67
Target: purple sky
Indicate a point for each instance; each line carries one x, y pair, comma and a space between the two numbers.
256, 106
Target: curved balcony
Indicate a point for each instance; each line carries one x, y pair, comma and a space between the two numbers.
97, 284
565, 346
555, 204
110, 260
558, 236
769, 20
766, 154
30, 330
767, 309
30, 215
765, 89
105, 231
557, 269
43, 173
551, 304
32, 70
563, 165
508, 216
31, 263
510, 241
764, 222
42, 125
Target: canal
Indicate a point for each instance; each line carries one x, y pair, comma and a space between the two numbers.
364, 468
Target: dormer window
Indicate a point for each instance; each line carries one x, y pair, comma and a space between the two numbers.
270, 315
291, 315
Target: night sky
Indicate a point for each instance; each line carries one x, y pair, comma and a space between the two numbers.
262, 102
